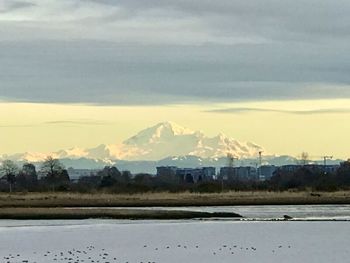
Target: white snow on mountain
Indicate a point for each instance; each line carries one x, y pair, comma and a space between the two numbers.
157, 142
169, 139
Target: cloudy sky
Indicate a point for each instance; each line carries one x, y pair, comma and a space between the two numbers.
80, 73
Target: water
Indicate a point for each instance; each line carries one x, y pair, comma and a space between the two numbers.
194, 241
104, 241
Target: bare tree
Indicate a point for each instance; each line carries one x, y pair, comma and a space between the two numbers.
9, 169
304, 158
53, 170
27, 177
51, 166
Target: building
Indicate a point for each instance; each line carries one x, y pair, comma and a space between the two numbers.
266, 171
246, 173
196, 175
166, 170
290, 168
332, 168
227, 173
188, 175
75, 174
209, 173
242, 173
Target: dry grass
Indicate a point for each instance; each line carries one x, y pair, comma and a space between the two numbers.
171, 199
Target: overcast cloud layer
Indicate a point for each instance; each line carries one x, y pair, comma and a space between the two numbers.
161, 51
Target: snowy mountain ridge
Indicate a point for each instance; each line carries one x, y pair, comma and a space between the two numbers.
155, 143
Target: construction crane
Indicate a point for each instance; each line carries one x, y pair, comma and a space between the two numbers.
255, 165
260, 157
306, 158
231, 159
260, 163
325, 158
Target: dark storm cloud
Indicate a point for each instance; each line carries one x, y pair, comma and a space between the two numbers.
272, 18
162, 51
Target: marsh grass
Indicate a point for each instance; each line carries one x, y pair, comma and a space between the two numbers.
172, 199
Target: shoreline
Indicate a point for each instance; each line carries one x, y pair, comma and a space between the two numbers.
73, 205
100, 213
142, 214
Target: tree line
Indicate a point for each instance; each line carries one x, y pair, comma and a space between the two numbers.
54, 177
312, 177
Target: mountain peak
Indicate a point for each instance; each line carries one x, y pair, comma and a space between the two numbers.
174, 127
221, 136
158, 132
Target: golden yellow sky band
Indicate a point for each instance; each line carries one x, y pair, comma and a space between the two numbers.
282, 127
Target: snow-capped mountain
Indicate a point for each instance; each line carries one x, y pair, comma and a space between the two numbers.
155, 143
169, 139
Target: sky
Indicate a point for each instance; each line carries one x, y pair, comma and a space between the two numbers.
82, 73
